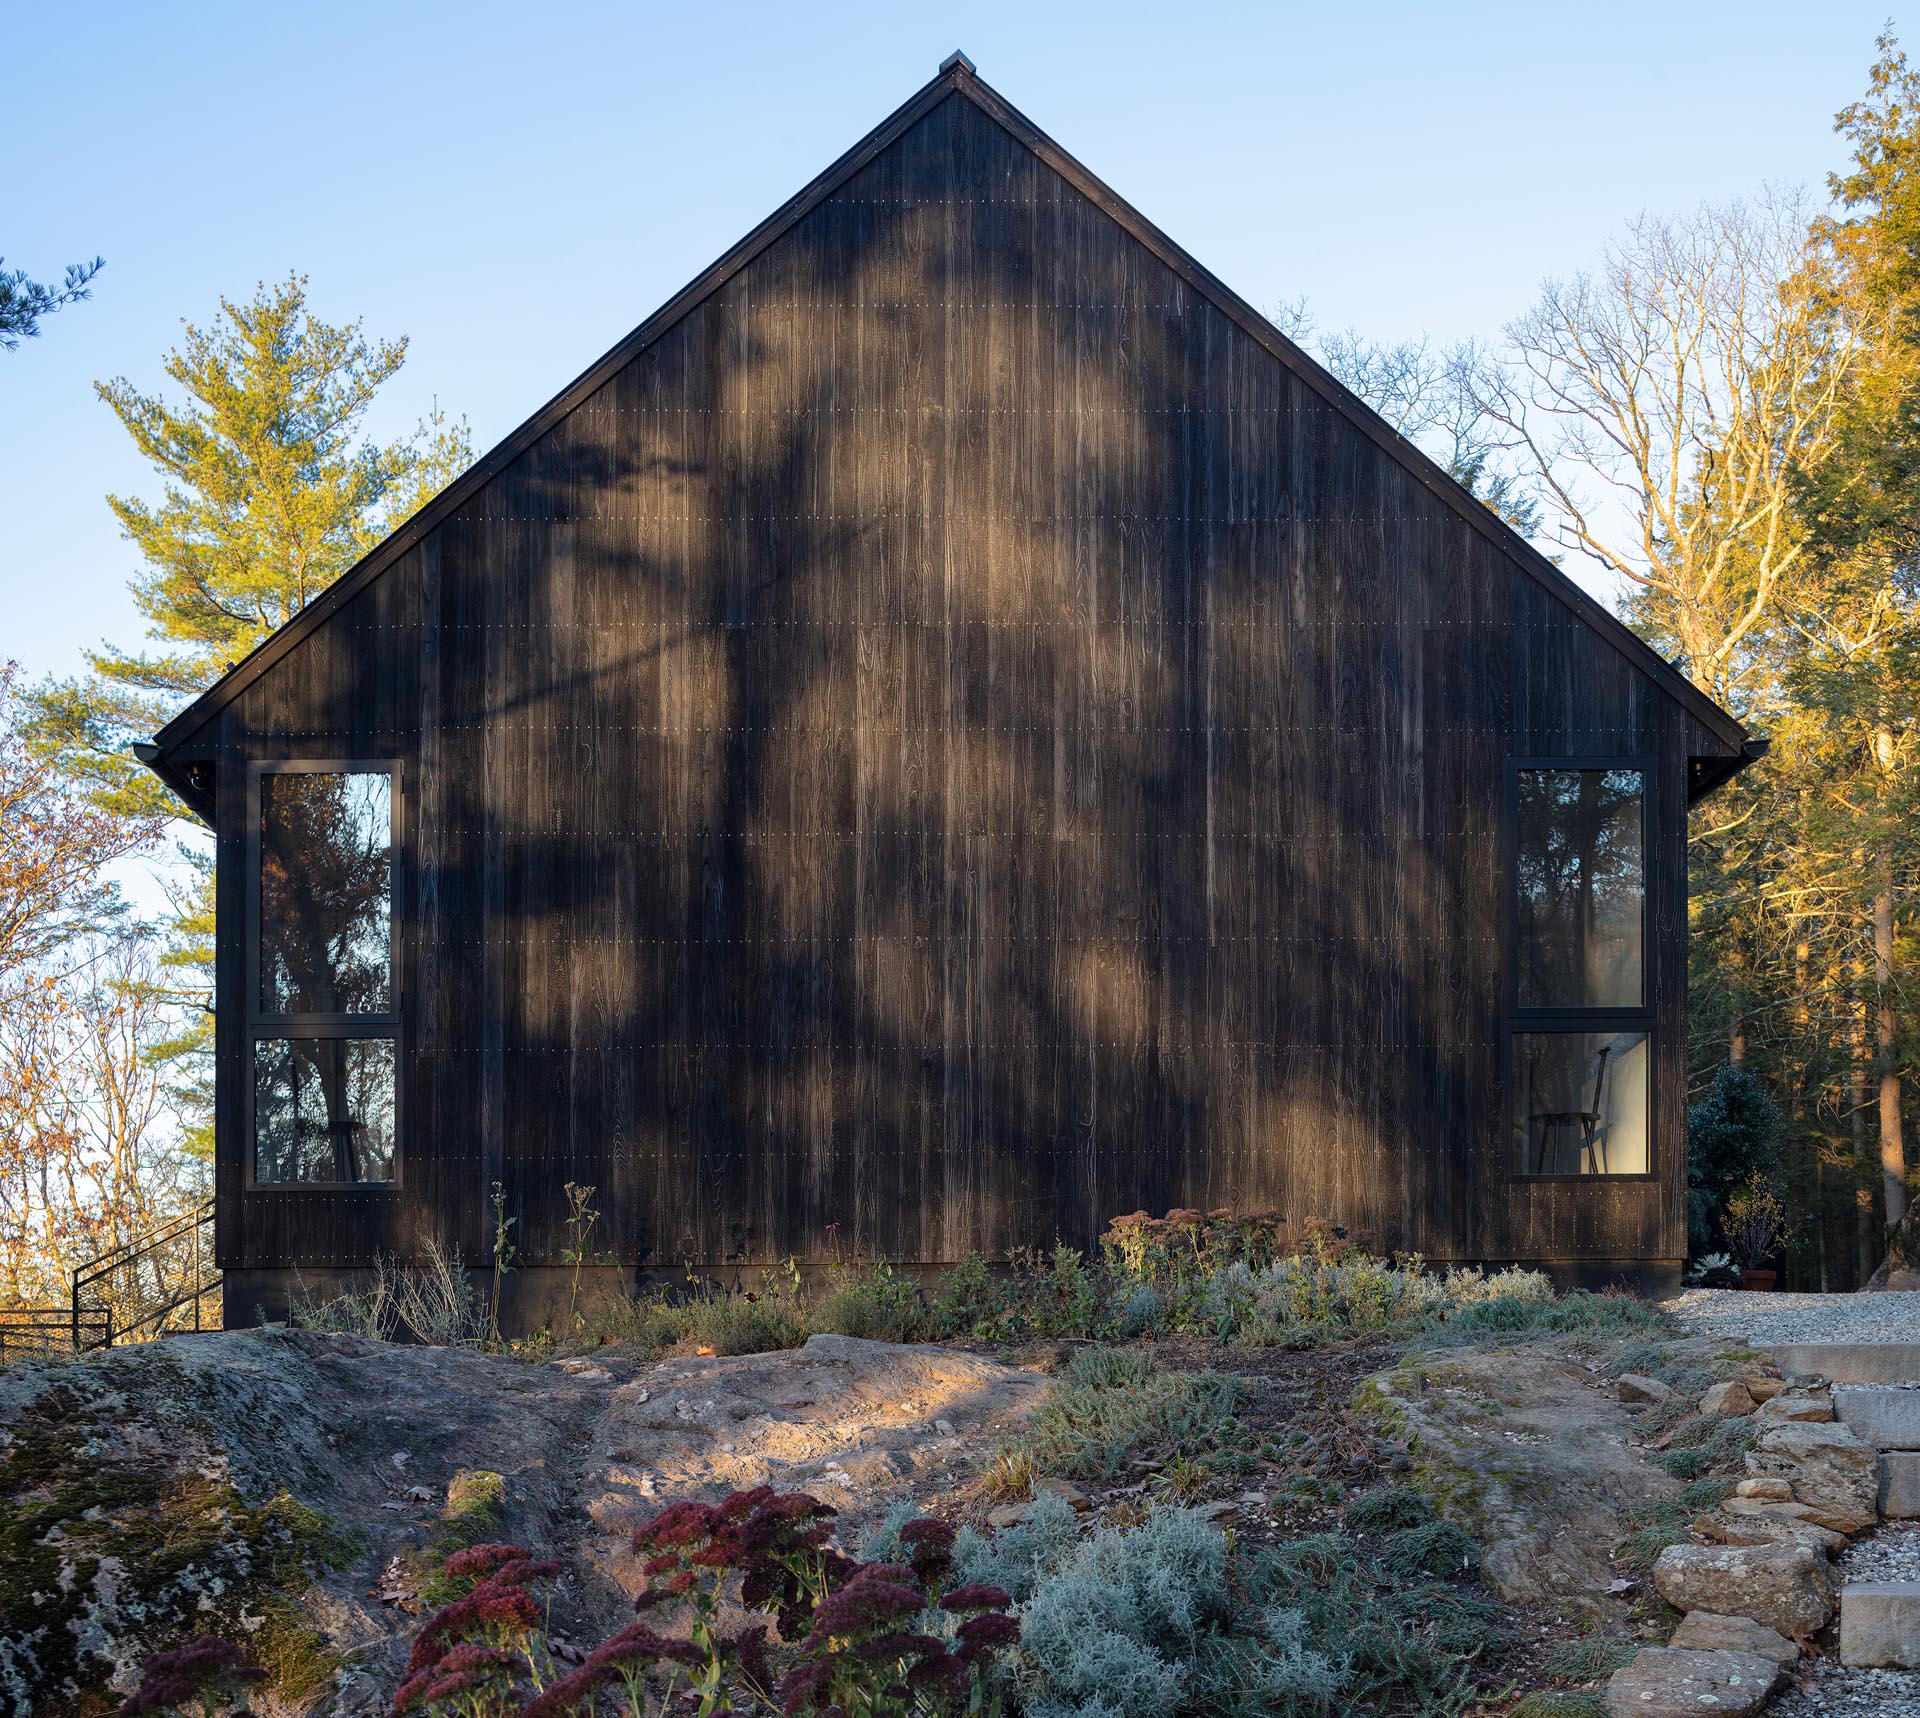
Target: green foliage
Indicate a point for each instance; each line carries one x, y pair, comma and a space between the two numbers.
1115, 1401
270, 492
1412, 1637
873, 1301
1331, 1291
1178, 1256
1435, 1548
25, 302
1588, 1660
649, 1322
1387, 1510
737, 1324
1138, 1622
1733, 1132
1682, 1464
1559, 1703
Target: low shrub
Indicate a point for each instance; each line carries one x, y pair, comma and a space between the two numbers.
1433, 1548
873, 1301
1388, 1509
431, 1300
1588, 1660
743, 1324
1560, 1703
1113, 1401
649, 1322
1179, 1255
1135, 1622
1410, 1637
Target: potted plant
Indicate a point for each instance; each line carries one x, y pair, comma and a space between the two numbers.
1756, 1225
1714, 1270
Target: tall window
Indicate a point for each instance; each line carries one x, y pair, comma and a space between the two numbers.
322, 1017
1581, 1020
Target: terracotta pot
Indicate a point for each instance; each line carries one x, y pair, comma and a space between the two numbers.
1761, 1282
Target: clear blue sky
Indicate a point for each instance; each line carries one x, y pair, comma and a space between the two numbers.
516, 186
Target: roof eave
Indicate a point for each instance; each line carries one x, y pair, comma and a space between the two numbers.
1708, 775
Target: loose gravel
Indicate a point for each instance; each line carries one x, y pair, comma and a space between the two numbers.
1765, 1318
1824, 1688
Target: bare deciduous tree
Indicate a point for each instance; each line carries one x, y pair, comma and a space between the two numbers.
1668, 405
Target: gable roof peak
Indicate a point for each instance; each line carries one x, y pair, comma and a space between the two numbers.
956, 79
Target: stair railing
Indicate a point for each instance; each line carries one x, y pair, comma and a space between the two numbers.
152, 1285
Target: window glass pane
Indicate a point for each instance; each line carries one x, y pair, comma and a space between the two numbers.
325, 897
1580, 1103
1581, 855
323, 1109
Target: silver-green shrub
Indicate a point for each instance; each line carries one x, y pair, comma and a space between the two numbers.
1137, 1622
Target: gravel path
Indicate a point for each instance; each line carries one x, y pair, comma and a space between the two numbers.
1799, 1317
1890, 1553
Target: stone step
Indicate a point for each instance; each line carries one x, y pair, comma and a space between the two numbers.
1883, 1415
1880, 1624
1851, 1362
1900, 1485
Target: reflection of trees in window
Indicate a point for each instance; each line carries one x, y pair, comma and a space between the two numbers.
323, 1109
325, 850
1581, 857
324, 1053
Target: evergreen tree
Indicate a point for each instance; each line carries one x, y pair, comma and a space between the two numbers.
23, 302
271, 492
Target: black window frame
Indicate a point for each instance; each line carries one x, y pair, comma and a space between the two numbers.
262, 1026
1518, 1021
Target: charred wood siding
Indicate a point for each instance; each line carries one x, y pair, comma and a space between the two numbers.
952, 742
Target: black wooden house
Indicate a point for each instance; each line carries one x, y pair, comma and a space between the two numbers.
952, 730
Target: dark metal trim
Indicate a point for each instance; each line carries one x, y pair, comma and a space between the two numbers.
1516, 1021
259, 1026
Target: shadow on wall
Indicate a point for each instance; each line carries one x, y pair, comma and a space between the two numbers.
937, 753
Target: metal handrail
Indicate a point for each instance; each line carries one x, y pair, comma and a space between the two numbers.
189, 1287
38, 1329
157, 1236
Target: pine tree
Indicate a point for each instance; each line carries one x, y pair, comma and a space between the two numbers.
270, 493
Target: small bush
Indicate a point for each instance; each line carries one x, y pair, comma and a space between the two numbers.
1409, 1640
1732, 1133
1437, 1548
1682, 1464
1112, 1401
875, 1302
1143, 1313
1137, 1622
1388, 1509
736, 1324
649, 1322
431, 1299
1588, 1660
972, 1300
1560, 1703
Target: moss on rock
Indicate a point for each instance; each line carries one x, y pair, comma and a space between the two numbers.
115, 1542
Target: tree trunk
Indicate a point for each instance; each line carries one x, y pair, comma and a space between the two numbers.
1893, 1153
1858, 1096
